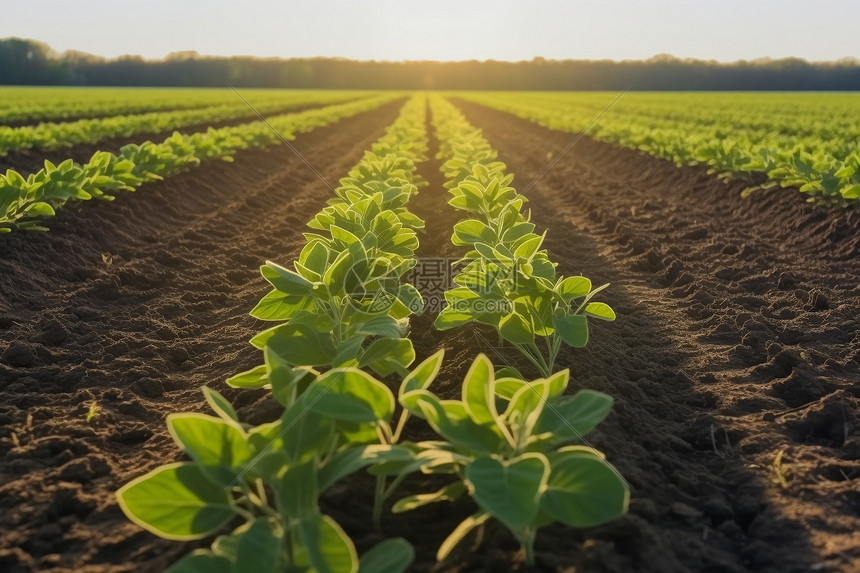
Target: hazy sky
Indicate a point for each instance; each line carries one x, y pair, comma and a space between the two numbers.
724, 30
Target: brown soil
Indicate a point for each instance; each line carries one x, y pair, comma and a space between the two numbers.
134, 305
736, 340
27, 161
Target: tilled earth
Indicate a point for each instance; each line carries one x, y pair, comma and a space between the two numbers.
736, 345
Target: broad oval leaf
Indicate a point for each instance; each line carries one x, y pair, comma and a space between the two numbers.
201, 561
477, 392
220, 404
584, 491
325, 547
423, 374
286, 280
509, 490
573, 417
220, 447
389, 556
350, 394
600, 310
258, 548
515, 328
176, 501
572, 328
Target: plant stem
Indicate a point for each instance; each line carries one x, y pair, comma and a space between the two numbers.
378, 499
527, 539
288, 541
390, 489
538, 359
527, 352
404, 415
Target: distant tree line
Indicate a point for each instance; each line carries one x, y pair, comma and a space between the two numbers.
27, 62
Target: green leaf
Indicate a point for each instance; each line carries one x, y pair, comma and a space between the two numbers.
266, 441
258, 549
314, 256
573, 417
509, 490
39, 209
389, 556
279, 306
411, 298
515, 328
306, 434
529, 247
584, 491
325, 546
176, 501
384, 326
460, 532
525, 408
572, 328
218, 446
255, 378
461, 431
298, 344
388, 355
423, 374
350, 394
451, 318
469, 232
478, 395
286, 280
851, 191
287, 382
349, 461
201, 561
573, 287
447, 493
558, 382
600, 310
298, 492
220, 404
508, 386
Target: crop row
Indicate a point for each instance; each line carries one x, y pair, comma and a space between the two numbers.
47, 136
344, 311
792, 141
34, 104
343, 307
509, 283
25, 202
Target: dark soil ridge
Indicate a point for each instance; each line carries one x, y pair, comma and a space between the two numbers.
737, 339
136, 304
26, 161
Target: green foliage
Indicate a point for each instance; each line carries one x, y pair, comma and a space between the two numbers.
344, 304
51, 135
508, 441
271, 476
24, 203
765, 140
509, 282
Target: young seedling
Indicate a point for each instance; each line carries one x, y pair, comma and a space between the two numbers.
271, 477
510, 443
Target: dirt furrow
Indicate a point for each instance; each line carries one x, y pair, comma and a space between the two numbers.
131, 306
734, 362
